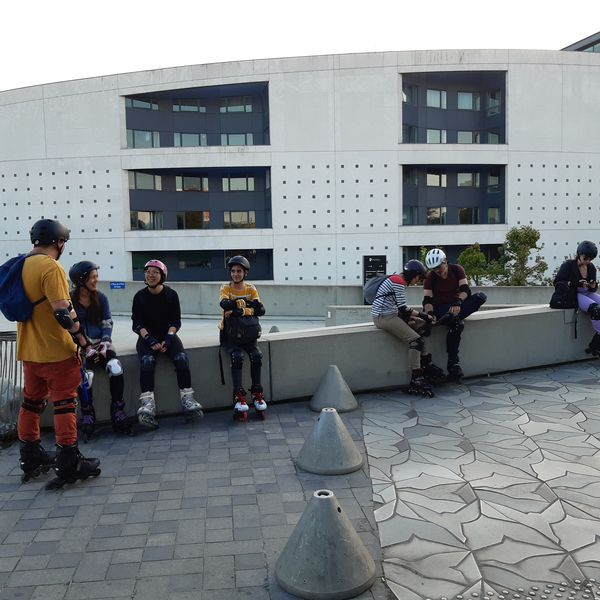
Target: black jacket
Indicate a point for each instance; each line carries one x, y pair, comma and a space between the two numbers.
569, 272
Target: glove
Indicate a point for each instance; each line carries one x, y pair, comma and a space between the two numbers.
457, 302
427, 317
150, 340
168, 341
101, 348
91, 355
237, 312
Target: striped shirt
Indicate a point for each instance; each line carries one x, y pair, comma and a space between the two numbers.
391, 296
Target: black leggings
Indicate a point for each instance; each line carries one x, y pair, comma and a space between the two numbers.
237, 362
177, 355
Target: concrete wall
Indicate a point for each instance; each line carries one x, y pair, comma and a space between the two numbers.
368, 358
303, 300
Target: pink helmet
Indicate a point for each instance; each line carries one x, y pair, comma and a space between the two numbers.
157, 264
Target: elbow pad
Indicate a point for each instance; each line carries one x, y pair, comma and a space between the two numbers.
63, 316
227, 304
427, 300
465, 288
404, 312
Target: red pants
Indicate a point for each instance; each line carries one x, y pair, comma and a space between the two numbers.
57, 382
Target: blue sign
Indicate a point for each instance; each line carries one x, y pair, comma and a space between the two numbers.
117, 285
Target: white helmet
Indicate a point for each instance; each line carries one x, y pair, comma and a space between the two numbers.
434, 258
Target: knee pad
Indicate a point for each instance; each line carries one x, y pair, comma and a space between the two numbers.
181, 360
255, 357
594, 311
237, 359
62, 407
114, 367
480, 297
34, 406
417, 344
148, 363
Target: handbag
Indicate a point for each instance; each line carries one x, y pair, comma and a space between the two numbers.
563, 296
242, 330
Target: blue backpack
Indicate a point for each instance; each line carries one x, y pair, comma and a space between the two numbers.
14, 304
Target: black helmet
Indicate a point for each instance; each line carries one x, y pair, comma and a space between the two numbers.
46, 232
587, 248
242, 261
413, 268
80, 272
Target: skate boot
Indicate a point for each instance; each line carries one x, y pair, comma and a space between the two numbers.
190, 407
455, 373
594, 346
147, 411
240, 408
71, 466
34, 460
432, 373
121, 423
258, 399
418, 386
88, 422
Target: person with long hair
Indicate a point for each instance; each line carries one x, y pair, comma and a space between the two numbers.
93, 312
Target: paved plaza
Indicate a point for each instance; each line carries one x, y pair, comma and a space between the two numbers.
490, 490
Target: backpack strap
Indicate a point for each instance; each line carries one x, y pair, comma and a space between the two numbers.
43, 297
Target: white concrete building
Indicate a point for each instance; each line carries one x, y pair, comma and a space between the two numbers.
308, 165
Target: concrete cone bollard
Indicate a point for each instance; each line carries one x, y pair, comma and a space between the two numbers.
324, 558
333, 392
329, 449
274, 329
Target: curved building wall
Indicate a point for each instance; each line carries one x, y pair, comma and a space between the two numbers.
345, 178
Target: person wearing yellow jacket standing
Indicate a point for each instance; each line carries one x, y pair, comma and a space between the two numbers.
240, 299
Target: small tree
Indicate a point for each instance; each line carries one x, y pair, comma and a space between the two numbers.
516, 265
473, 260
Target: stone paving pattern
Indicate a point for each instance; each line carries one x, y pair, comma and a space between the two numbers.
492, 488
187, 512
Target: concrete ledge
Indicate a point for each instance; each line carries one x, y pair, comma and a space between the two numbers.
294, 363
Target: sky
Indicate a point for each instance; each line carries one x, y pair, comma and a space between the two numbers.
46, 41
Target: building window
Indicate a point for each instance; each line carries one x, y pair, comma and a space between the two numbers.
238, 184
236, 104
410, 94
467, 137
467, 179
493, 216
144, 181
494, 102
409, 134
237, 139
493, 185
187, 140
436, 136
193, 219
146, 219
436, 215
468, 216
409, 175
190, 183
188, 106
146, 104
436, 98
194, 259
410, 215
469, 101
493, 136
436, 179
239, 219
136, 138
